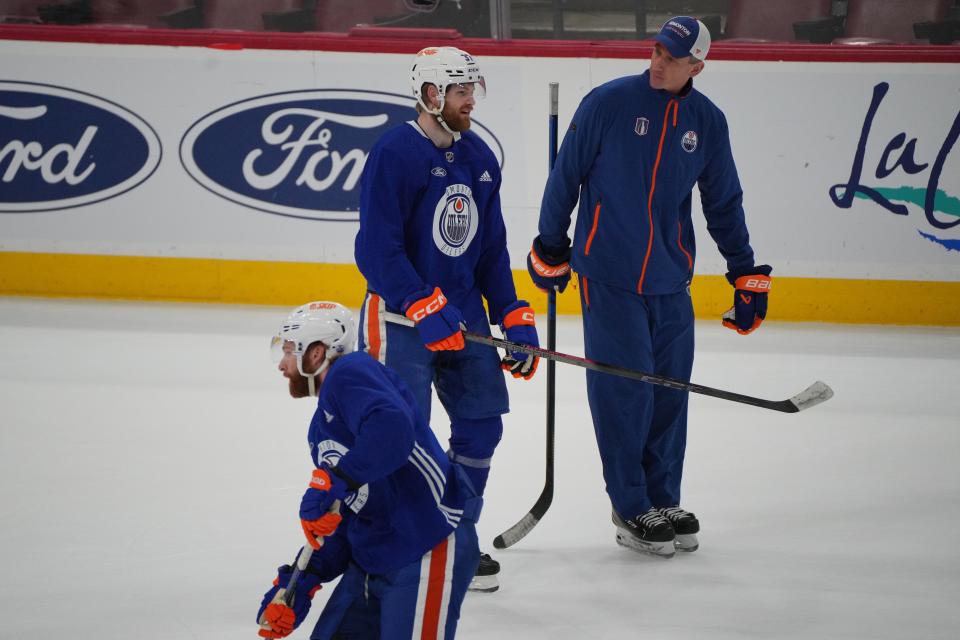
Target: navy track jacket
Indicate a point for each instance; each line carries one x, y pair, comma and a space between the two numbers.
632, 155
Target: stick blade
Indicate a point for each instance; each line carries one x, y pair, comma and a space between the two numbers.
813, 395
516, 533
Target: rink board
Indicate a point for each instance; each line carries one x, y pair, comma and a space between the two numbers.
230, 175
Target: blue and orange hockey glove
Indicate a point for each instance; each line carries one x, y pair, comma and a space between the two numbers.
549, 267
276, 619
438, 321
319, 513
749, 298
518, 326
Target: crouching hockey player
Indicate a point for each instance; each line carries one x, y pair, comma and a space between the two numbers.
386, 509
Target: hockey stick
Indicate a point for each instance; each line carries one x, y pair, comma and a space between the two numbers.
517, 532
285, 596
811, 396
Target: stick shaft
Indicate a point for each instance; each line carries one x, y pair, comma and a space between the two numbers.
809, 397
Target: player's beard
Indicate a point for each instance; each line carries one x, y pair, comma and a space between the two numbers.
299, 387
454, 119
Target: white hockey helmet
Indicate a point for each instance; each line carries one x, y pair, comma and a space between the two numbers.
442, 67
328, 322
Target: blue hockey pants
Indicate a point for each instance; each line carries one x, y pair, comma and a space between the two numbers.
469, 384
641, 428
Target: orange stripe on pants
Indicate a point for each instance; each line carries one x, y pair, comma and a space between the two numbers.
435, 585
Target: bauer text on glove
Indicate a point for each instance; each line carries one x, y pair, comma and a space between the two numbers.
549, 267
438, 321
751, 286
518, 326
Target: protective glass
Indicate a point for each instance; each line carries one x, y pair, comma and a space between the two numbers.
479, 88
276, 348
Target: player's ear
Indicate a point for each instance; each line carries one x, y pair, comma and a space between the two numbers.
432, 96
314, 356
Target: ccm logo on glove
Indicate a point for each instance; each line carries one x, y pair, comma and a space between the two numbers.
427, 307
320, 480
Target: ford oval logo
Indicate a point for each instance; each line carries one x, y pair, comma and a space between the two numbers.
61, 148
297, 154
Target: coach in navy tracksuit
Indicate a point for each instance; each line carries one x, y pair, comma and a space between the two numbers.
632, 155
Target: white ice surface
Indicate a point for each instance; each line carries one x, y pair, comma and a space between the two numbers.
151, 465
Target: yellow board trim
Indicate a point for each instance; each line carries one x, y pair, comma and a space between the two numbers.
903, 302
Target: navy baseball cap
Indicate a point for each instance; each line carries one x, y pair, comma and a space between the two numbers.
685, 36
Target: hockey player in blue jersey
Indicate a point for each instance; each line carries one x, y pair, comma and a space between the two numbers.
386, 509
635, 148
432, 245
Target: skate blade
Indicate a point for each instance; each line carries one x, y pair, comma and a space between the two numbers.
658, 549
687, 543
484, 584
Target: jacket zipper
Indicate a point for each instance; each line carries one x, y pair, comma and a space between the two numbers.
653, 187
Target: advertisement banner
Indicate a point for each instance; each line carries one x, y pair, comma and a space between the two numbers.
849, 170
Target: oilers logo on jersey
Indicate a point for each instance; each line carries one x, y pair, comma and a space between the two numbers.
330, 451
455, 220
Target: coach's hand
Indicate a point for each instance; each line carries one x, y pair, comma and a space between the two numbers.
749, 298
549, 267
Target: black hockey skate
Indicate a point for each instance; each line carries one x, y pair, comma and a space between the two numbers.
485, 580
685, 525
648, 532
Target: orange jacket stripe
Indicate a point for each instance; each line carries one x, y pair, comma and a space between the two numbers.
653, 188
593, 230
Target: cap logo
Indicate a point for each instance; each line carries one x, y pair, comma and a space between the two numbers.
682, 30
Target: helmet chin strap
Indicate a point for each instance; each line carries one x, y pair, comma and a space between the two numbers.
443, 123
312, 385
438, 114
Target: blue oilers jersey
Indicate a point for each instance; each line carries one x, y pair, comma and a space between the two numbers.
632, 156
409, 495
431, 217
